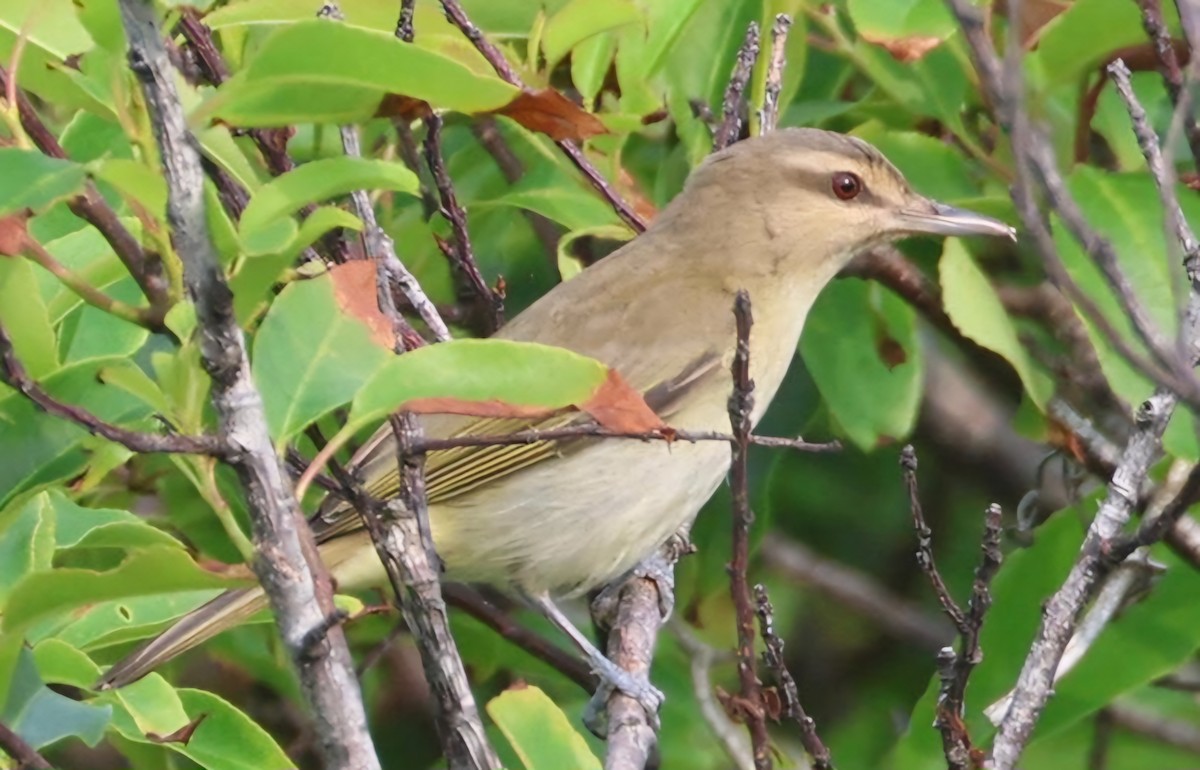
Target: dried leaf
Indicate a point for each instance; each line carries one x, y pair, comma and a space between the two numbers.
490, 408
403, 107
631, 192
619, 407
906, 49
355, 292
890, 351
13, 234
549, 112
1035, 15
182, 735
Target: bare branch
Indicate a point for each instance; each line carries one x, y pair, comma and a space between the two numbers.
18, 749
741, 403
908, 463
288, 566
13, 373
790, 694
473, 289
733, 104
731, 737
769, 116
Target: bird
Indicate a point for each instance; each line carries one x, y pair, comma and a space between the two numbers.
777, 216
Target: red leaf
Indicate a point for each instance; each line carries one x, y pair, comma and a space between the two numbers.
354, 290
13, 234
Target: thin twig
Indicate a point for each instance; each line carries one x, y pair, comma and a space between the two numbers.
479, 607
769, 116
955, 668
79, 286
91, 207
389, 267
288, 567
18, 749
733, 105
789, 693
473, 289
908, 464
1172, 73
458, 17
1181, 734
592, 430
14, 374
741, 403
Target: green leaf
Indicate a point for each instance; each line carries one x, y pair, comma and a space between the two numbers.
567, 204
517, 373
850, 330
151, 570
311, 356
41, 716
26, 317
899, 19
972, 304
33, 180
590, 63
114, 622
26, 541
319, 180
284, 83
1149, 640
539, 732
40, 448
1084, 36
78, 527
579, 20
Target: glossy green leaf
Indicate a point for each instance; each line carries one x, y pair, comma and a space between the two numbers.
33, 180
26, 541
539, 732
284, 83
895, 21
320, 180
972, 304
524, 374
78, 527
40, 448
1084, 36
311, 356
42, 716
850, 330
579, 20
150, 570
26, 317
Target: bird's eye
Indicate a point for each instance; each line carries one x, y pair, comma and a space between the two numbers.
846, 185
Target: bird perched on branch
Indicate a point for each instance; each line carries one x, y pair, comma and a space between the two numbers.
777, 216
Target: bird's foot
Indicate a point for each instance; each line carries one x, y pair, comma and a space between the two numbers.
659, 567
616, 679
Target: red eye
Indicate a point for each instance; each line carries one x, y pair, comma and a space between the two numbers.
846, 185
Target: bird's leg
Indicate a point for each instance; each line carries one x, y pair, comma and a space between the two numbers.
612, 677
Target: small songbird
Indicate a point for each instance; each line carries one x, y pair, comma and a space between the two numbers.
778, 216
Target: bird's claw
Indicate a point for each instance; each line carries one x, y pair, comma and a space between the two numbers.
615, 679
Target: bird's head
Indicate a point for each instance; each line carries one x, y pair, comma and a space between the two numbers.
823, 195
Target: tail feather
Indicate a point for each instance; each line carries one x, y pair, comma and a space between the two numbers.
226, 611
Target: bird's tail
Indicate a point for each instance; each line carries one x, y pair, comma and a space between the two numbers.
226, 611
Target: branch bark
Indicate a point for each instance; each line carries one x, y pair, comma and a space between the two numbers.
287, 566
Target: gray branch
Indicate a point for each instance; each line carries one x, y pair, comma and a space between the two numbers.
287, 563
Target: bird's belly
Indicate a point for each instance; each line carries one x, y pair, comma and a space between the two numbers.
577, 521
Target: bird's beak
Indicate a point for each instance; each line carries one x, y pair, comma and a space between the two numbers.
933, 218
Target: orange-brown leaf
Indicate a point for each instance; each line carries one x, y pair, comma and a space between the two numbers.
906, 49
549, 112
355, 292
13, 234
404, 107
618, 407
